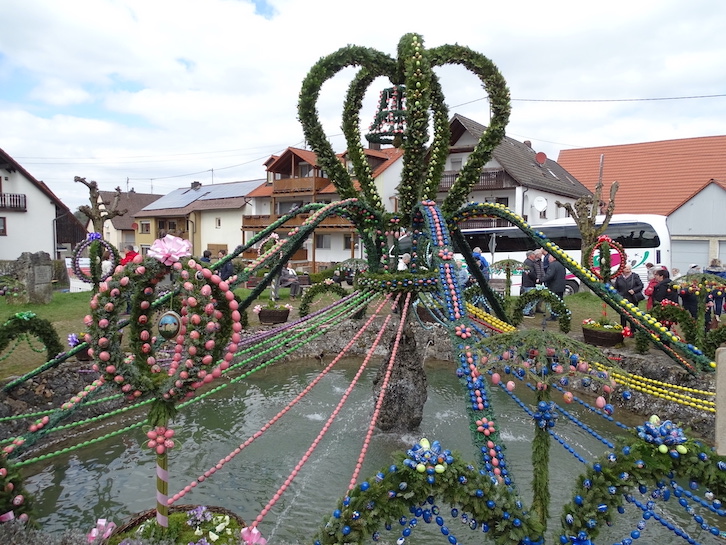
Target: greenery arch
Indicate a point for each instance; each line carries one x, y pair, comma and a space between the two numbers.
317, 289
423, 474
602, 489
675, 313
24, 323
541, 293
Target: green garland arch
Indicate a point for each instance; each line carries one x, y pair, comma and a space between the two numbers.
317, 289
27, 322
558, 307
387, 497
601, 489
679, 315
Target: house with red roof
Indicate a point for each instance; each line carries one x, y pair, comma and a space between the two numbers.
121, 230
516, 176
683, 179
32, 218
294, 179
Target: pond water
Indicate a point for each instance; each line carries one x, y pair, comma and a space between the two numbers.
116, 479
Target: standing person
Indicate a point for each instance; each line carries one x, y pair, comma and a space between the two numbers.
652, 283
554, 279
529, 282
462, 273
288, 279
106, 265
651, 270
129, 255
545, 259
226, 270
206, 257
630, 288
483, 263
663, 289
403, 262
539, 272
717, 269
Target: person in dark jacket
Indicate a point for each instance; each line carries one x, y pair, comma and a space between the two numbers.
529, 281
226, 270
663, 289
554, 279
630, 288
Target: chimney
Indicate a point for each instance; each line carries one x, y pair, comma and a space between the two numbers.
374, 145
196, 185
528, 143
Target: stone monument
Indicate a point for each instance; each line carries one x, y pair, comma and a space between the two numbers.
35, 271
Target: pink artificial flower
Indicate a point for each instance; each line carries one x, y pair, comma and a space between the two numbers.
170, 249
103, 530
252, 536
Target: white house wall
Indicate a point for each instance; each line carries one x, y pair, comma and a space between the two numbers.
228, 232
700, 222
31, 231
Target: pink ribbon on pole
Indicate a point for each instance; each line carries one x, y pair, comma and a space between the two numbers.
170, 249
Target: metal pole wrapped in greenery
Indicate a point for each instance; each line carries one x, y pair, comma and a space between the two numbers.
318, 289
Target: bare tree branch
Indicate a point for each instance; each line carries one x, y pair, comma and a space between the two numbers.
95, 213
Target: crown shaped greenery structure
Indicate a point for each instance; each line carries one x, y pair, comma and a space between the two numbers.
412, 72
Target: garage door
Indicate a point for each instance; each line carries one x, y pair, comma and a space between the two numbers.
686, 252
722, 250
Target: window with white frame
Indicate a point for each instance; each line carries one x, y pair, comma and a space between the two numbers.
322, 242
145, 227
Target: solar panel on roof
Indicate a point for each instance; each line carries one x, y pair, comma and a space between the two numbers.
180, 198
226, 191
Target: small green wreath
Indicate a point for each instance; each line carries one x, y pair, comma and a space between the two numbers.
27, 322
317, 289
677, 314
542, 293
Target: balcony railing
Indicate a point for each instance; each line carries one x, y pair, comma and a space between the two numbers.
262, 221
488, 179
484, 223
299, 185
13, 201
300, 254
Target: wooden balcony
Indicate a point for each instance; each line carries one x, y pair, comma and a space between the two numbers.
255, 223
310, 184
489, 179
13, 201
299, 255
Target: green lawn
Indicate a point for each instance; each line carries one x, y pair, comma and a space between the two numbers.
66, 312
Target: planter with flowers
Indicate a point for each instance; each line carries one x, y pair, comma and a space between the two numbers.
74, 339
272, 313
602, 332
192, 524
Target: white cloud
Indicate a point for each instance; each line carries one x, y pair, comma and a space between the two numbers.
149, 90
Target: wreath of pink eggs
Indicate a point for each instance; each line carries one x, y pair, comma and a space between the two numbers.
209, 319
209, 334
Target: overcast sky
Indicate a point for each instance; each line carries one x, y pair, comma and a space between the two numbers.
167, 92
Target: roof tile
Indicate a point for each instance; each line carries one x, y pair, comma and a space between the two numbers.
653, 177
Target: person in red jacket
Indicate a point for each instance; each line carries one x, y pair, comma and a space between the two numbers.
129, 255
